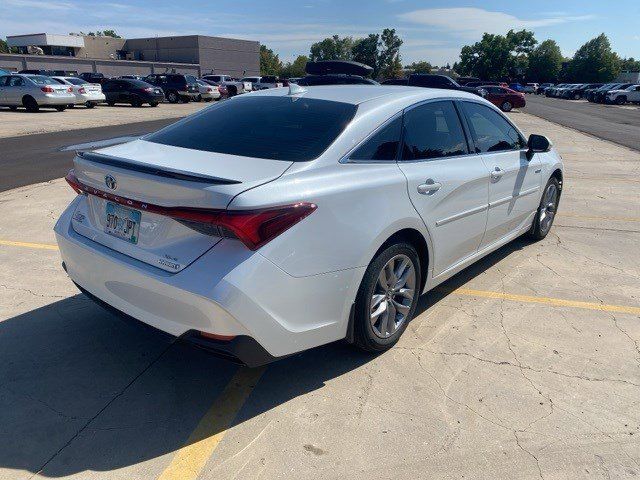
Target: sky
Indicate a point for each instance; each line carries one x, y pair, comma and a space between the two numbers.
432, 30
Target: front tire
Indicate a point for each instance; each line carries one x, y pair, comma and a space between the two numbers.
506, 106
546, 211
61, 108
153, 104
621, 100
387, 298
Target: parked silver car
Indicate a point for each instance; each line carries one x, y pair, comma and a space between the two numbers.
89, 94
33, 92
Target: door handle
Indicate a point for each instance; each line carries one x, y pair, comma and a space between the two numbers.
497, 174
429, 187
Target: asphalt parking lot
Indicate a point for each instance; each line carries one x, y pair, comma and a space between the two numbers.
616, 123
21, 122
525, 365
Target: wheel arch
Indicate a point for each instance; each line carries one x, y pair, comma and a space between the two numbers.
417, 239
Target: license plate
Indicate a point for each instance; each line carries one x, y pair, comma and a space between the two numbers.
122, 222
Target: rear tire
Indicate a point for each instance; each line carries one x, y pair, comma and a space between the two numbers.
506, 106
136, 103
111, 104
173, 97
61, 108
621, 100
89, 104
387, 298
153, 104
30, 104
547, 210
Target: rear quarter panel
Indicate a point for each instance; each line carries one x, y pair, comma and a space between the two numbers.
359, 207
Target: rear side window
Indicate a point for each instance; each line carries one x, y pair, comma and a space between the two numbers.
490, 131
41, 80
278, 128
383, 145
433, 130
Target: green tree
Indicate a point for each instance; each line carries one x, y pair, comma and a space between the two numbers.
365, 50
594, 61
270, 63
99, 33
3, 46
545, 62
630, 65
332, 48
295, 68
389, 65
419, 67
488, 59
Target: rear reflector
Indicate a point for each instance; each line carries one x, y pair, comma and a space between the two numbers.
214, 336
254, 228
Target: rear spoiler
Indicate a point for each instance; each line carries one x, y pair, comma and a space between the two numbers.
153, 169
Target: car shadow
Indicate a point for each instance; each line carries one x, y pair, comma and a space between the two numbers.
84, 390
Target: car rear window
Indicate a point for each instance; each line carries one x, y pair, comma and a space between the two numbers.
277, 128
77, 81
42, 80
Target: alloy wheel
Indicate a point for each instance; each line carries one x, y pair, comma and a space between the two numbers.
392, 296
549, 207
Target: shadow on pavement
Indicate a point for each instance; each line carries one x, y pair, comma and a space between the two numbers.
82, 390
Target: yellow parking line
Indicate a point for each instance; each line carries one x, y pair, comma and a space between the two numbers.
41, 246
590, 217
192, 457
554, 302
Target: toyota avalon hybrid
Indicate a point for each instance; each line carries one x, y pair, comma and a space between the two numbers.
289, 218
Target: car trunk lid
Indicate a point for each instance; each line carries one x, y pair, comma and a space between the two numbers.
166, 176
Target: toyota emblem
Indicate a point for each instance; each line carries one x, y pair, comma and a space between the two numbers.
110, 182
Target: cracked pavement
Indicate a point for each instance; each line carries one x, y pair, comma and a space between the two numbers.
477, 388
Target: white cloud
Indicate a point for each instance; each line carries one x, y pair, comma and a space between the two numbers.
473, 22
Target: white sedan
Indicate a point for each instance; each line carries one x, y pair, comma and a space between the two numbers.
310, 216
88, 94
207, 92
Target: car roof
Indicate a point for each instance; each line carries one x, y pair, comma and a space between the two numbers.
357, 94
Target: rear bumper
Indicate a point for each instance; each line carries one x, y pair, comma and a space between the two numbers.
90, 97
47, 99
228, 291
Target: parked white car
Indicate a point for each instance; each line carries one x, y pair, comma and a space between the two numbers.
33, 92
207, 92
88, 94
262, 83
530, 88
620, 97
308, 218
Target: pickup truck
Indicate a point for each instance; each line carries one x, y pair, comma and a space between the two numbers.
441, 81
262, 83
230, 86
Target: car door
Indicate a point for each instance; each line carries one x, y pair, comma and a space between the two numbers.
447, 183
515, 181
15, 90
123, 88
3, 88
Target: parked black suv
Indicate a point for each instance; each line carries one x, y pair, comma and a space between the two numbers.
440, 81
134, 92
336, 72
433, 81
176, 87
92, 77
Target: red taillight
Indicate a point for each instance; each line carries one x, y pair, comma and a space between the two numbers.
81, 90
70, 89
254, 228
47, 89
209, 89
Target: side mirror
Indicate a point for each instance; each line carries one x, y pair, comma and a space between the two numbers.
537, 144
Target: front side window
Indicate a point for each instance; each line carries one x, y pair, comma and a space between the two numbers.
432, 131
490, 130
278, 128
383, 145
